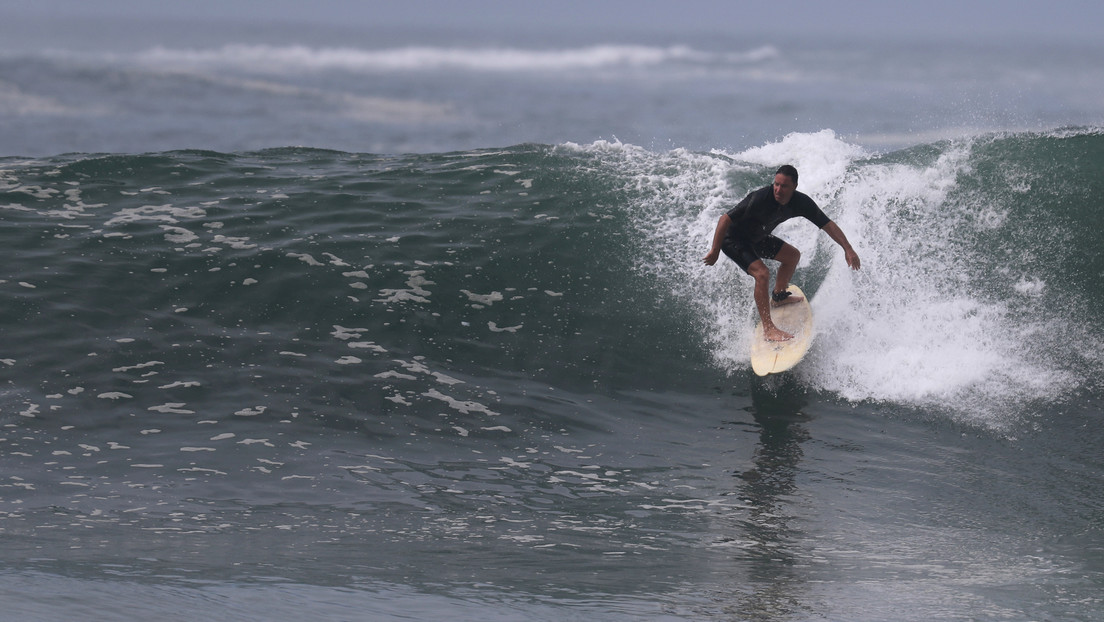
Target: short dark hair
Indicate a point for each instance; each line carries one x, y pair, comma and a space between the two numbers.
789, 171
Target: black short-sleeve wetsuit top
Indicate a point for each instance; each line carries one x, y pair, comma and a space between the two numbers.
749, 236
758, 214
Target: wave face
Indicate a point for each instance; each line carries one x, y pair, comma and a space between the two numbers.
577, 264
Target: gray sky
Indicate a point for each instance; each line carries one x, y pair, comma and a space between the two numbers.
1043, 19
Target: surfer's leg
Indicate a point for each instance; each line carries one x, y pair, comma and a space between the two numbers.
788, 258
758, 271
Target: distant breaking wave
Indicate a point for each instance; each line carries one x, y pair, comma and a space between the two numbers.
297, 57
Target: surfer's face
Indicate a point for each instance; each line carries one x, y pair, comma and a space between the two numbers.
783, 188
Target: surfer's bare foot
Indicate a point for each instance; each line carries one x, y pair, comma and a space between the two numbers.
788, 300
775, 334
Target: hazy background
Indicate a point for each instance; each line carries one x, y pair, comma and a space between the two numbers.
1062, 19
433, 75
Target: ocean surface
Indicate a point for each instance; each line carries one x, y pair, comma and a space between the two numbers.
363, 330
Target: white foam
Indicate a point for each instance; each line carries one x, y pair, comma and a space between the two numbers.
415, 293
483, 299
237, 243
178, 235
344, 334
172, 408
155, 213
114, 395
368, 345
306, 258
280, 59
464, 406
911, 327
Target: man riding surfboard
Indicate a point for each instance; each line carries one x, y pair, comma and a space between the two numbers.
744, 234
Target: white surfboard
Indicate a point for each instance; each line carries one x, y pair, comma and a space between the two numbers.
772, 357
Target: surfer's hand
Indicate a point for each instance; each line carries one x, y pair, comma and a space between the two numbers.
711, 258
852, 258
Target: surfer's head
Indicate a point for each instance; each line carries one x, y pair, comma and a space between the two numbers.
785, 182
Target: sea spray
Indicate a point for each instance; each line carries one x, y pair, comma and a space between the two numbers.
927, 322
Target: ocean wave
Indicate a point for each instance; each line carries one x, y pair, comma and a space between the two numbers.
268, 58
959, 242
554, 260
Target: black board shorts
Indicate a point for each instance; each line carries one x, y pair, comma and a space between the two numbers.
744, 252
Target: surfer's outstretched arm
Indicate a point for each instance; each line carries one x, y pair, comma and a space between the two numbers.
834, 232
718, 237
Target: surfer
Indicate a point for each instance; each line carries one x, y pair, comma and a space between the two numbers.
744, 234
